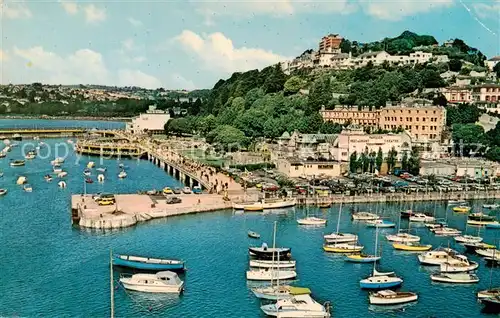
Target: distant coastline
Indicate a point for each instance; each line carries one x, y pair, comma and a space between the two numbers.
89, 118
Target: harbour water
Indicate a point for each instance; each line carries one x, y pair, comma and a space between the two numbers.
50, 268
47, 123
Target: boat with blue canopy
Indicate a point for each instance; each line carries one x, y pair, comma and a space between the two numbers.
147, 263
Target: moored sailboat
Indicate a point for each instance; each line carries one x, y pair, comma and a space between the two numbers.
338, 237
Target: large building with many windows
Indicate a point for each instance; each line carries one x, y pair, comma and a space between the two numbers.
351, 115
425, 123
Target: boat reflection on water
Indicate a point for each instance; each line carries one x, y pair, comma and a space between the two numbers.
390, 308
152, 302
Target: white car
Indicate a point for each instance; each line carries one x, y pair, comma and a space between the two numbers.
186, 190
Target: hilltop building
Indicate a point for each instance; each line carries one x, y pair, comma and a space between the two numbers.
152, 122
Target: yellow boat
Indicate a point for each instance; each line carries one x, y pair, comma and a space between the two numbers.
253, 207
461, 209
411, 247
342, 248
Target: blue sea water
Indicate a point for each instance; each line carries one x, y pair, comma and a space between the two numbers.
50, 268
47, 123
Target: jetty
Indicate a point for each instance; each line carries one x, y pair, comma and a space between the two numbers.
7, 133
131, 209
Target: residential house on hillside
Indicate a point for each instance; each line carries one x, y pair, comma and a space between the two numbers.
492, 62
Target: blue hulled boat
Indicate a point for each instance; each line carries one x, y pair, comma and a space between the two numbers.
147, 263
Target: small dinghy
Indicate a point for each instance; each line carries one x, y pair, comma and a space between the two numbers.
271, 264
458, 278
91, 164
122, 174
364, 216
362, 258
379, 223
268, 274
87, 172
48, 177
3, 192
342, 248
462, 209
17, 163
468, 239
146, 263
100, 178
279, 292
389, 297
253, 234
161, 282
30, 156
412, 247
101, 169
62, 174
491, 206
312, 221
28, 188
62, 184
340, 238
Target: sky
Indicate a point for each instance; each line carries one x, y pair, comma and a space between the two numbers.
193, 44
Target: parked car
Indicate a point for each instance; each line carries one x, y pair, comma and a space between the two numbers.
186, 190
167, 190
197, 190
173, 200
177, 191
106, 201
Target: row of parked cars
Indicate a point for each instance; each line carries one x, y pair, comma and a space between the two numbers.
185, 190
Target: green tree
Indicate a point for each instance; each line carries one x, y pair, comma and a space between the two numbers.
380, 159
414, 162
320, 94
275, 81
467, 138
364, 161
293, 85
462, 114
272, 128
496, 69
353, 162
493, 154
455, 65
228, 137
404, 161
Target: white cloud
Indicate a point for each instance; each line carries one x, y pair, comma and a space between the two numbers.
84, 66
128, 77
217, 52
128, 44
396, 10
487, 10
134, 22
69, 6
180, 82
139, 59
94, 14
14, 10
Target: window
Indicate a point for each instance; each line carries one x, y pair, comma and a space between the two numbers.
423, 119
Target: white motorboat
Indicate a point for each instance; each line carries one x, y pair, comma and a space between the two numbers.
271, 264
57, 161
458, 264
122, 174
297, 307
3, 192
379, 223
468, 239
267, 274
483, 223
365, 216
261, 205
457, 202
488, 293
101, 169
456, 278
420, 217
491, 206
28, 188
30, 156
447, 231
100, 178
278, 204
389, 297
91, 164
57, 170
161, 282
402, 237
311, 220
437, 256
340, 238
62, 174
279, 292
21, 180
491, 252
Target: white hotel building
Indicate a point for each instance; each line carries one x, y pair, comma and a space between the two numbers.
153, 122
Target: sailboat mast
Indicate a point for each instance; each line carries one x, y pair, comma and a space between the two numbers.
376, 248
274, 251
111, 284
340, 213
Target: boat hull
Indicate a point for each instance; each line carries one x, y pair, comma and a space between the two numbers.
148, 266
152, 288
410, 248
392, 301
445, 268
454, 281
379, 285
271, 264
369, 259
270, 275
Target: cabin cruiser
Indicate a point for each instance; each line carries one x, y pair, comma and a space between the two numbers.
437, 256
480, 216
468, 239
265, 252
457, 278
402, 237
364, 216
340, 238
447, 231
492, 253
269, 274
420, 217
161, 282
297, 306
458, 264
389, 297
311, 220
279, 292
379, 223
